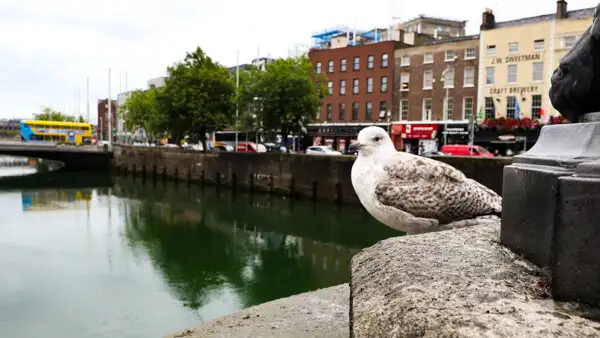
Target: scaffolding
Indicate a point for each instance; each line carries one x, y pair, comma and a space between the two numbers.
322, 39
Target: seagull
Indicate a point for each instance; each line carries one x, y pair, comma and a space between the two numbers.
416, 194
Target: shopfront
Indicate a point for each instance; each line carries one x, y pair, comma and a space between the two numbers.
415, 138
337, 136
507, 143
454, 133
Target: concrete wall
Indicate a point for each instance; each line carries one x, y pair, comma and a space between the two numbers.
314, 177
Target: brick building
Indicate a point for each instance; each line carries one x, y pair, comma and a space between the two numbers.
360, 80
435, 93
103, 118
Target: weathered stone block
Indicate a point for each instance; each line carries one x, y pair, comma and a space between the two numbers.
456, 283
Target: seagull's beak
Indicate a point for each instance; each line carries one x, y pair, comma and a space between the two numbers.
354, 147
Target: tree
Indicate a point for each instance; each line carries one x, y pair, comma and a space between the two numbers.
49, 114
285, 96
198, 98
141, 110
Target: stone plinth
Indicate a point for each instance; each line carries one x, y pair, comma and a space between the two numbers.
456, 283
550, 213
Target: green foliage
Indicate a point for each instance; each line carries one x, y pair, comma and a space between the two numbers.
49, 114
286, 94
199, 97
141, 110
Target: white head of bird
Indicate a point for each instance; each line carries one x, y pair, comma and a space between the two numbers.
372, 141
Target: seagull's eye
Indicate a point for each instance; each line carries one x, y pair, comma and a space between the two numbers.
376, 138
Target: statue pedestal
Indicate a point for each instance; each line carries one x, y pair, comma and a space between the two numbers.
551, 208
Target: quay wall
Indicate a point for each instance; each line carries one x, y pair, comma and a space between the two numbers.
323, 178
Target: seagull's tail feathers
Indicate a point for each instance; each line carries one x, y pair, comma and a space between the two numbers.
479, 220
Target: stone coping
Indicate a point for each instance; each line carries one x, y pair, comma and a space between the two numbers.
319, 314
457, 283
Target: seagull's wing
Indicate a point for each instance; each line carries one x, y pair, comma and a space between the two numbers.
432, 189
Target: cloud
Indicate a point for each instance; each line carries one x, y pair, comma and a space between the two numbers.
48, 48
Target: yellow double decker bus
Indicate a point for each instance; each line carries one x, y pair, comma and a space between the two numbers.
60, 132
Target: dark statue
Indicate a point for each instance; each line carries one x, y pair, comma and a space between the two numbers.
575, 89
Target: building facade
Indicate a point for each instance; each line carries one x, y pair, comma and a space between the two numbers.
435, 92
517, 60
103, 130
360, 82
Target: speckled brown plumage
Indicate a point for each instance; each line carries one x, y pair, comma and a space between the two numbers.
431, 189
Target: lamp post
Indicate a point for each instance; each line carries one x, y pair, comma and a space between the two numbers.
445, 106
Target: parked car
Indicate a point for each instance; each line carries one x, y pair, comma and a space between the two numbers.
251, 147
466, 150
433, 153
274, 148
322, 150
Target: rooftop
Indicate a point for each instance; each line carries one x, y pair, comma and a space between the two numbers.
575, 14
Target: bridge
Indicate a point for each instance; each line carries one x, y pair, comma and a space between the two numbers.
88, 158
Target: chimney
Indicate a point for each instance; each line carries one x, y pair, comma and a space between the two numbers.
487, 20
561, 9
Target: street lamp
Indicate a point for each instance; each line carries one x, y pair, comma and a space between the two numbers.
445, 107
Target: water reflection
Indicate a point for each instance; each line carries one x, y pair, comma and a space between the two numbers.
264, 248
122, 258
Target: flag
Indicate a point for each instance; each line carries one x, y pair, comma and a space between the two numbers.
517, 109
542, 117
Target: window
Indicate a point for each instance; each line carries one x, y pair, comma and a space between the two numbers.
370, 62
404, 80
342, 65
369, 111
405, 61
382, 110
470, 54
467, 108
490, 75
319, 113
369, 85
513, 47
427, 104
354, 111
384, 60
330, 66
568, 41
449, 78
318, 70
404, 110
490, 50
428, 79
469, 77
342, 87
428, 58
512, 74
450, 55
536, 107
329, 112
330, 87
448, 108
511, 105
342, 112
356, 63
490, 108
383, 84
538, 44
355, 87
538, 71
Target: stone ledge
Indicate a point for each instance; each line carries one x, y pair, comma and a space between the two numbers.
457, 283
319, 314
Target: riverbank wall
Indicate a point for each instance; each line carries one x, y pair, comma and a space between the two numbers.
323, 178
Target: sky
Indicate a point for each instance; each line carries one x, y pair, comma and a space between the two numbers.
49, 48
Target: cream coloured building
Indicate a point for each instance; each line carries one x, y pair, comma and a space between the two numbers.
518, 57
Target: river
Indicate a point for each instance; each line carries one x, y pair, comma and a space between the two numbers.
98, 256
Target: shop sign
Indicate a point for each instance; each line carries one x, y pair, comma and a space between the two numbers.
514, 90
420, 131
455, 131
506, 137
396, 129
517, 58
